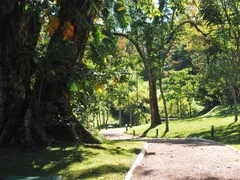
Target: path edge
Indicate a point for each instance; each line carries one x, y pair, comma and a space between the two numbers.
137, 161
209, 140
204, 140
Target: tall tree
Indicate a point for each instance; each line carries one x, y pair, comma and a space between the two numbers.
164, 20
143, 41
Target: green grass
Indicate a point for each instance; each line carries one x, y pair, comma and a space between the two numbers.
221, 117
106, 161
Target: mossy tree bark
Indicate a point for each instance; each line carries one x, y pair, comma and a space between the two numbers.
18, 38
54, 92
33, 117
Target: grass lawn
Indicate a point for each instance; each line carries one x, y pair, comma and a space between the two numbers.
221, 117
110, 161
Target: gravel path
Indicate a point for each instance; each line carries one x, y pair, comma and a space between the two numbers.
116, 134
181, 159
187, 159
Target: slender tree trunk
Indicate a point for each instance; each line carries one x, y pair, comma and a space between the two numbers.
99, 117
103, 116
107, 119
235, 104
131, 122
234, 94
237, 37
120, 118
165, 105
98, 124
155, 116
190, 109
180, 104
93, 119
178, 111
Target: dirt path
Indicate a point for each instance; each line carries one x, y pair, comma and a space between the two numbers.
181, 159
116, 134
187, 159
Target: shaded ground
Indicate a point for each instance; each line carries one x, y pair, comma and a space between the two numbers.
108, 161
180, 159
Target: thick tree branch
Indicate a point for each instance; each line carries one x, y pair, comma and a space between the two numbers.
189, 22
173, 37
170, 46
136, 44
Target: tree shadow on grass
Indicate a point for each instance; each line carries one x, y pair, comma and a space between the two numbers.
55, 161
99, 171
122, 151
224, 112
44, 163
164, 134
225, 134
95, 146
146, 132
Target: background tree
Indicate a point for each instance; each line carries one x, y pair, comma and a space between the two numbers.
223, 16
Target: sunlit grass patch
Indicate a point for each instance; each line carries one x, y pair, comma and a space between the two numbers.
221, 118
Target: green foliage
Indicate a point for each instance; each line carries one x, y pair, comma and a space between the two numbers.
211, 12
180, 58
222, 53
180, 88
121, 14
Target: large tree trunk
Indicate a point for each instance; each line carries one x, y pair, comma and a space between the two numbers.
55, 112
155, 116
30, 118
1, 101
18, 37
54, 104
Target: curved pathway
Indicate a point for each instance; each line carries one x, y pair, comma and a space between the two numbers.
180, 159
116, 134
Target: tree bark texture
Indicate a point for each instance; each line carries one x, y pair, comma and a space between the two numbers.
190, 109
155, 116
1, 102
35, 117
18, 38
54, 103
